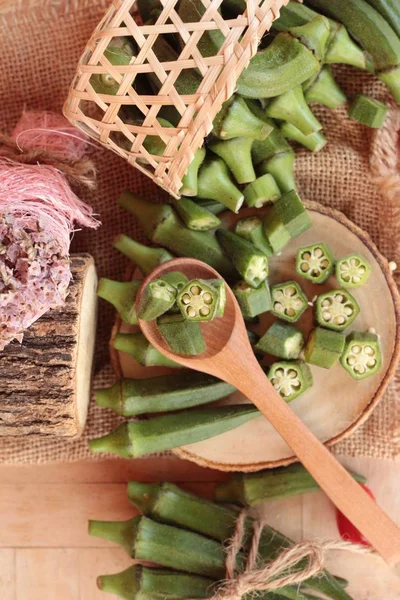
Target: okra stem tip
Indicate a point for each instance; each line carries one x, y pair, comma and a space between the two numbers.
120, 584
110, 397
116, 442
143, 495
120, 532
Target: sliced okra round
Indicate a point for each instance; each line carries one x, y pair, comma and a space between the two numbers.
362, 355
315, 262
352, 271
282, 340
324, 347
336, 309
290, 379
288, 301
197, 301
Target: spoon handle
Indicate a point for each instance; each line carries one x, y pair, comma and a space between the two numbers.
345, 493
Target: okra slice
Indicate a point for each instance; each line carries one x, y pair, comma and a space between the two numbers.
219, 286
324, 347
336, 309
288, 301
282, 340
368, 111
262, 191
251, 229
290, 379
195, 216
352, 271
158, 297
252, 301
182, 336
362, 355
197, 301
249, 261
315, 262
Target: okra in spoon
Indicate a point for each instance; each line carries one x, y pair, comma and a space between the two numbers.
228, 355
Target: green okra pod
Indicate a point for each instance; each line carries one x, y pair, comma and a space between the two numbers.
292, 107
235, 119
389, 9
282, 340
144, 257
165, 545
211, 205
264, 190
287, 62
236, 153
249, 261
324, 347
182, 336
314, 35
280, 167
142, 351
154, 144
162, 226
143, 583
194, 215
251, 229
119, 51
272, 145
189, 181
368, 111
252, 301
314, 142
192, 11
249, 489
136, 438
215, 184
122, 295
373, 33
157, 298
133, 397
324, 90
362, 356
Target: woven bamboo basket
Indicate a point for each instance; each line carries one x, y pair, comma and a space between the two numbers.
99, 115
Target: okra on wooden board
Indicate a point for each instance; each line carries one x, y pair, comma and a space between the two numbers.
132, 397
136, 438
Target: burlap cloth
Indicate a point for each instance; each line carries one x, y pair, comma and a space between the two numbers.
41, 41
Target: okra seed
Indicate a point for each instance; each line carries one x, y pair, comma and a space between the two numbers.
278, 307
290, 291
356, 349
280, 372
196, 290
207, 297
326, 316
204, 311
292, 373
324, 264
368, 350
191, 312
298, 304
351, 361
359, 369
278, 295
339, 297
326, 302
304, 267
186, 299
371, 363
318, 252
290, 312
306, 256
340, 320
348, 311
356, 279
361, 269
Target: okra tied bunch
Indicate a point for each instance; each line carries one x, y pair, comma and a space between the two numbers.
186, 535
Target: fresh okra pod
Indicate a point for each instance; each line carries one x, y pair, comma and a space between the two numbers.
290, 379
292, 107
287, 219
282, 340
141, 583
324, 90
195, 216
162, 226
252, 301
389, 9
249, 489
252, 229
119, 51
368, 111
157, 298
315, 262
122, 295
235, 119
250, 262
280, 167
352, 271
236, 153
314, 35
167, 546
211, 205
362, 355
136, 438
145, 258
142, 351
274, 144
133, 397
192, 11
182, 336
336, 309
314, 142
288, 301
189, 181
198, 301
214, 183
264, 190
324, 347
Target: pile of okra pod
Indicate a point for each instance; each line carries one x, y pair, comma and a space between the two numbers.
186, 535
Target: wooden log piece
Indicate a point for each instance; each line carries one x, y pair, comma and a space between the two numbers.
45, 381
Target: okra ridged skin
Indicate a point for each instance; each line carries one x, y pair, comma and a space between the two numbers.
137, 438
189, 181
236, 153
133, 397
390, 11
194, 216
142, 351
163, 226
144, 257
143, 583
236, 119
324, 90
214, 183
249, 261
122, 295
249, 489
292, 107
167, 546
314, 142
182, 336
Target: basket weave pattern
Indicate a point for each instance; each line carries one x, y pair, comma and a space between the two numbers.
99, 114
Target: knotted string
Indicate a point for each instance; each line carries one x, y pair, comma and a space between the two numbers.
278, 573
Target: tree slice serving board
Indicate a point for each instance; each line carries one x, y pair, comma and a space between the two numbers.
336, 405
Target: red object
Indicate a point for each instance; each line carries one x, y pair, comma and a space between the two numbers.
347, 531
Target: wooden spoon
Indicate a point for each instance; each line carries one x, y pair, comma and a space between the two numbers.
230, 357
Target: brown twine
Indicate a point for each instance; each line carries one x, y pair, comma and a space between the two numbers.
282, 571
384, 158
79, 172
